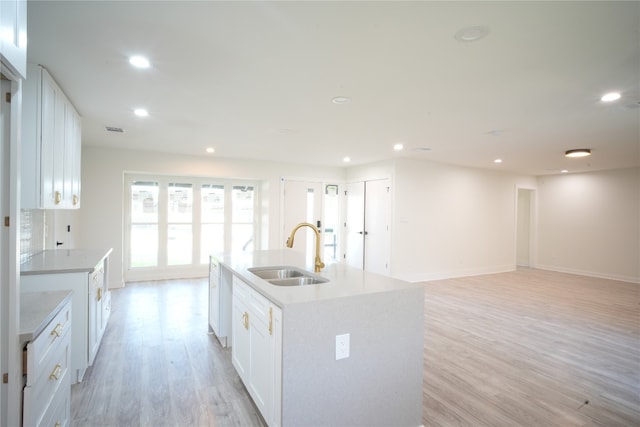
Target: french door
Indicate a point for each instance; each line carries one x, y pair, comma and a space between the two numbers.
175, 223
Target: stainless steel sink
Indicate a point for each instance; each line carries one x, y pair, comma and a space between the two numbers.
268, 273
298, 281
287, 276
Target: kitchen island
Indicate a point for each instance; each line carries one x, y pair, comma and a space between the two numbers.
345, 352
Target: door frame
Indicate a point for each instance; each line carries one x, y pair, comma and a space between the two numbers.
532, 216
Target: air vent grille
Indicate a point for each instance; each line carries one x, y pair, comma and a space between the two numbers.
114, 129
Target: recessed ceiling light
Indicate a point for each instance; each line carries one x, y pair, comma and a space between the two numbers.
139, 61
210, 150
346, 159
341, 100
611, 96
580, 152
398, 147
471, 34
140, 112
497, 161
564, 171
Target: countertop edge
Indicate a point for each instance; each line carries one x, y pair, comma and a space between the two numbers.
36, 265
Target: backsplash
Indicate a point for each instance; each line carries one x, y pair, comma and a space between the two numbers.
32, 232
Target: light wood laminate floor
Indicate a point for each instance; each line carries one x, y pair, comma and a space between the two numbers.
526, 348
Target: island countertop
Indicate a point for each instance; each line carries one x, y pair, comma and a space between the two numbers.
344, 281
64, 261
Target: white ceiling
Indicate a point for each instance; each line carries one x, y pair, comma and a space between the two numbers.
256, 79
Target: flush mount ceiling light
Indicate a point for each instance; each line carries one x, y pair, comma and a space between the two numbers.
341, 100
346, 159
398, 147
611, 96
139, 61
579, 152
471, 34
140, 112
497, 161
210, 150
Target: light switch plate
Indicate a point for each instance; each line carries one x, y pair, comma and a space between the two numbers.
342, 346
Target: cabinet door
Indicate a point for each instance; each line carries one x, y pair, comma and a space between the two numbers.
58, 150
46, 140
261, 362
240, 346
214, 297
13, 40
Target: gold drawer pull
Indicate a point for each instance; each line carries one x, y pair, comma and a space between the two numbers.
57, 197
55, 374
99, 294
75, 200
57, 331
245, 320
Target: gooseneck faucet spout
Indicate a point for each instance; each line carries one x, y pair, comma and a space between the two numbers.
318, 264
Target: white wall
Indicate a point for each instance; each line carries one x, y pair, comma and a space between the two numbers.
453, 221
590, 224
101, 213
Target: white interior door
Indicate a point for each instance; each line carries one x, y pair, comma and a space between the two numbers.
302, 202
377, 240
354, 225
368, 238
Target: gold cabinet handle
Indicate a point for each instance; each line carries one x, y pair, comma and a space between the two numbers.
57, 197
55, 374
270, 320
99, 294
76, 199
58, 424
245, 320
57, 331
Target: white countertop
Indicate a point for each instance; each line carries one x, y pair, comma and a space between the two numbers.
344, 281
37, 309
64, 261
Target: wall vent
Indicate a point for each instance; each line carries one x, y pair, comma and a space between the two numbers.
114, 129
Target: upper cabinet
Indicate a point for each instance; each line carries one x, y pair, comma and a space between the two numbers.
13, 35
51, 144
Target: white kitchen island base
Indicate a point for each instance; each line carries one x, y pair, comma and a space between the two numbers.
378, 383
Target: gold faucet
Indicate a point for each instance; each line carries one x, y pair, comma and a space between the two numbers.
319, 264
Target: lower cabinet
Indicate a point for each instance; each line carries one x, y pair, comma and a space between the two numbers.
257, 348
47, 392
91, 308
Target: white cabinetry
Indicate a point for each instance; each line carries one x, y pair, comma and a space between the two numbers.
51, 144
91, 304
257, 348
219, 301
13, 35
47, 392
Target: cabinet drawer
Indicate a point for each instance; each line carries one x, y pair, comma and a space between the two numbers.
40, 349
58, 414
97, 276
52, 379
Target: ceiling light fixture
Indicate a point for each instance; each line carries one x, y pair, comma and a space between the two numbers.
579, 152
497, 161
140, 112
471, 34
564, 171
210, 150
139, 61
341, 100
398, 147
346, 159
611, 96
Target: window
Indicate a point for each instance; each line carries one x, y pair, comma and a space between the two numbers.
144, 224
174, 224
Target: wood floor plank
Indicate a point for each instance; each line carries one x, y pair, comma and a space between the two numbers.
525, 348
